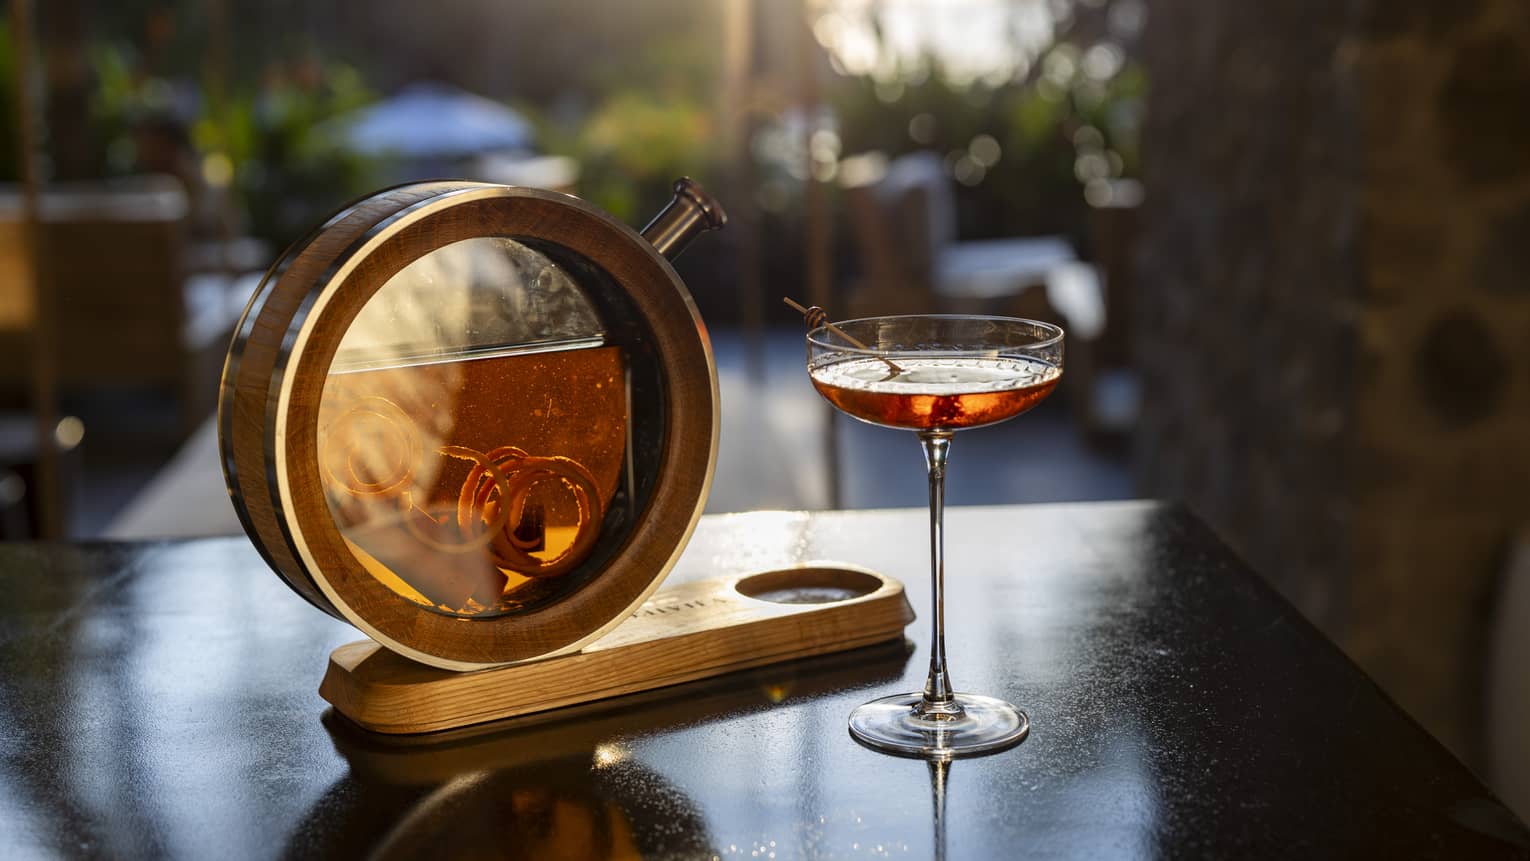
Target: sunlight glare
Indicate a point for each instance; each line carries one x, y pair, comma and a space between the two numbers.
992, 41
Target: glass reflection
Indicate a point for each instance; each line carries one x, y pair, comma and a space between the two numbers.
473, 429
473, 296
939, 769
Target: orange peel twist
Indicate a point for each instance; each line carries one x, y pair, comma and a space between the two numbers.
470, 536
477, 503
491, 505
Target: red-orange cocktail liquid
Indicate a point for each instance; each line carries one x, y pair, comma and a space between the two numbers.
935, 393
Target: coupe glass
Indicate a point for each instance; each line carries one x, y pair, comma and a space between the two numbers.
935, 375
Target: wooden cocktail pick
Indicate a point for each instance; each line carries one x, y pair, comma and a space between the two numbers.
816, 316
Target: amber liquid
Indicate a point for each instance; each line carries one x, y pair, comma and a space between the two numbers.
935, 393
475, 485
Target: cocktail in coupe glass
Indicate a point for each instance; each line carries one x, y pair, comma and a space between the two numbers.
935, 375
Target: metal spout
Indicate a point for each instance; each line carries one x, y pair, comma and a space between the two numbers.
691, 213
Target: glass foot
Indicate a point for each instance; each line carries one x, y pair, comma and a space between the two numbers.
982, 724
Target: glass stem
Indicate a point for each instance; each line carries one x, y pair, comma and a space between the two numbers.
939, 701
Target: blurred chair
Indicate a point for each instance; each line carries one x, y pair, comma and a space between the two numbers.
113, 256
20, 514
1113, 221
903, 217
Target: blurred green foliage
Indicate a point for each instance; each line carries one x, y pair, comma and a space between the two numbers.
634, 144
653, 119
287, 172
629, 92
1065, 124
261, 140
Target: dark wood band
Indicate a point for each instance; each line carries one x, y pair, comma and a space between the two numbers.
283, 360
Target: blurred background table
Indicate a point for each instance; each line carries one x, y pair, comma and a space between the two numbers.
158, 700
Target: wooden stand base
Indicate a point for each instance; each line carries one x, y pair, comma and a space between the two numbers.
681, 634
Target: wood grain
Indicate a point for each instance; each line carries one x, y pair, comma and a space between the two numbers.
251, 374
681, 634
274, 379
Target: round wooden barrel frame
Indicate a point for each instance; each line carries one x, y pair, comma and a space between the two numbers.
274, 378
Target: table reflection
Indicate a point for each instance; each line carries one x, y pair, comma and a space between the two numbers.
564, 784
561, 807
158, 701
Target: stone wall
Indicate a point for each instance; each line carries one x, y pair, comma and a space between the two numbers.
1333, 318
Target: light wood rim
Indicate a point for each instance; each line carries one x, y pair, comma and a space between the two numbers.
250, 370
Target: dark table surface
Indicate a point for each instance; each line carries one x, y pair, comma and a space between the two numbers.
159, 700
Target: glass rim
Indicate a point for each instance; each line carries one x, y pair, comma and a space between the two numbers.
1041, 343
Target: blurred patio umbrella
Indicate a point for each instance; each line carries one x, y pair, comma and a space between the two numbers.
432, 121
